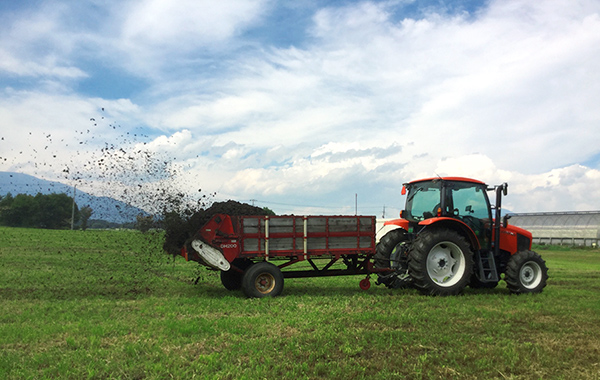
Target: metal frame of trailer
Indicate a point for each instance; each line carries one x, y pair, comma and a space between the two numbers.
289, 239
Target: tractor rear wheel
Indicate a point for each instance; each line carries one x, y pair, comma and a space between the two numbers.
389, 253
232, 279
440, 262
526, 272
262, 280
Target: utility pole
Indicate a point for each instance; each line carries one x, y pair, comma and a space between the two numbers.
73, 209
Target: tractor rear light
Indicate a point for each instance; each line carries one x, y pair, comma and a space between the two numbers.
403, 192
439, 211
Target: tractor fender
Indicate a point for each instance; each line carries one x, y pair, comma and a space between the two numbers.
390, 225
402, 223
454, 224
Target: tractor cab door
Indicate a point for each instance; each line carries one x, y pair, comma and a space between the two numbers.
423, 201
469, 202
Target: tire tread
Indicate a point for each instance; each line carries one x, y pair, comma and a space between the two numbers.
512, 278
417, 264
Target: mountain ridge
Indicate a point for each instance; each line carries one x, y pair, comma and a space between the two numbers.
104, 208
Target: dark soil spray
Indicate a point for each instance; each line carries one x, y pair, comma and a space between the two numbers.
109, 161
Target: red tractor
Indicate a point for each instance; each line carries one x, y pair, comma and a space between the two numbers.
449, 236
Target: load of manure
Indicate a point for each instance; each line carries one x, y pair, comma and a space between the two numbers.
179, 229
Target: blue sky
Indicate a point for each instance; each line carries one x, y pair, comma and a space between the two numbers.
301, 106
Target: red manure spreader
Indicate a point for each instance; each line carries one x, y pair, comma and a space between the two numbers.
447, 237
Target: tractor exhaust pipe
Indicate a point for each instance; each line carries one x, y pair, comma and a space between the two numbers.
500, 190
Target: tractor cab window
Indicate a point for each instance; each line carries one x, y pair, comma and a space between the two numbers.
423, 200
471, 205
469, 200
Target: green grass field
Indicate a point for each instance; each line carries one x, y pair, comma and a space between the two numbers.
110, 304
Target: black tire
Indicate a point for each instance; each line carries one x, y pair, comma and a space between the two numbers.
526, 272
232, 279
440, 262
389, 254
262, 280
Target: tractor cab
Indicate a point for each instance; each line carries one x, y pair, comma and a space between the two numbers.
462, 199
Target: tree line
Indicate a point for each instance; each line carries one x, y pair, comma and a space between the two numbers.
58, 211
53, 211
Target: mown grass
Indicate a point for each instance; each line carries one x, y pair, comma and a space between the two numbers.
110, 304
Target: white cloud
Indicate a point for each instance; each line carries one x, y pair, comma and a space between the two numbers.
571, 188
51, 132
155, 36
367, 102
36, 44
185, 25
14, 65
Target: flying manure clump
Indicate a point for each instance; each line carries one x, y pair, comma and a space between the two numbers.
108, 161
148, 180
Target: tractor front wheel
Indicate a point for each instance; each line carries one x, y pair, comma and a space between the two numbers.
440, 262
526, 272
262, 280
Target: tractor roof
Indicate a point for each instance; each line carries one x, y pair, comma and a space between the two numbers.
456, 179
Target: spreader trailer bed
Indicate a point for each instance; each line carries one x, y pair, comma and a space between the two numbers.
255, 253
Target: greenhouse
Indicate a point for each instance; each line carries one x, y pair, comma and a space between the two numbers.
563, 228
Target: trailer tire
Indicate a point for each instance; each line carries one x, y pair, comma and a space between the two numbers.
232, 279
389, 254
262, 280
526, 272
440, 262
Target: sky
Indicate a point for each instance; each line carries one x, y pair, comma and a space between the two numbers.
307, 107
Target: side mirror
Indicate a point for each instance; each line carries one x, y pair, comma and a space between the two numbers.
505, 189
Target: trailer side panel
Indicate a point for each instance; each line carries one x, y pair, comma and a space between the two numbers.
308, 236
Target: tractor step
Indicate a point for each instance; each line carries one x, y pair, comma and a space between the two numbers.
487, 267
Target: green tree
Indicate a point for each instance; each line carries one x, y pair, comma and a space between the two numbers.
21, 212
53, 211
41, 211
6, 209
268, 211
84, 215
144, 222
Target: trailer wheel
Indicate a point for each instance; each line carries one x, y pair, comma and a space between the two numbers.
232, 279
365, 284
440, 262
526, 272
262, 280
389, 253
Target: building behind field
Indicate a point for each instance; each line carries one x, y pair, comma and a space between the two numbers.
564, 228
